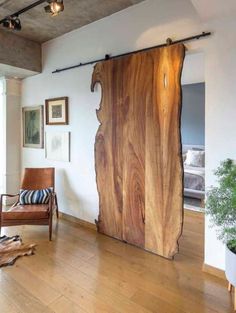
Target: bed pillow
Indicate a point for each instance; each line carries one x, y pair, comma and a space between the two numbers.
195, 158
40, 196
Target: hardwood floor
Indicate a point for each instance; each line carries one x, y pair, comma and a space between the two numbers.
82, 271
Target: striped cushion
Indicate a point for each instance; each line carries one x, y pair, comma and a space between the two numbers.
34, 196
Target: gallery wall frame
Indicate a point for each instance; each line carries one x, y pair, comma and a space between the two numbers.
33, 127
57, 111
57, 146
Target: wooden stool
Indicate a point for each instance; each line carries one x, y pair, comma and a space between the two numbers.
230, 287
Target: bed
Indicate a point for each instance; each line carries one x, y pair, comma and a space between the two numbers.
194, 177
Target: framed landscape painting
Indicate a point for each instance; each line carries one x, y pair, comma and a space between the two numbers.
57, 111
33, 127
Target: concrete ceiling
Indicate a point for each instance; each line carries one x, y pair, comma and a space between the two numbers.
41, 27
214, 9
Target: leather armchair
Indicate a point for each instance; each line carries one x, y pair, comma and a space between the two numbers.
32, 214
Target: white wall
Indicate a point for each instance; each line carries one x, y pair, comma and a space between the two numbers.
143, 25
13, 135
2, 135
76, 184
220, 116
10, 135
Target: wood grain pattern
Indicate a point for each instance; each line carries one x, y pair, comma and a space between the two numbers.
138, 149
164, 173
100, 274
134, 151
108, 156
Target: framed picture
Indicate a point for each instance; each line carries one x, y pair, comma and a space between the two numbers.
58, 146
33, 127
57, 111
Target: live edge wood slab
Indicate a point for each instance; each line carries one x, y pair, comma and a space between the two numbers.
138, 155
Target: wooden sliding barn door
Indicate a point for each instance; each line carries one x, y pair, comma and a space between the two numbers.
138, 149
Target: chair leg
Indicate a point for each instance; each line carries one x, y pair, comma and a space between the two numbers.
50, 232
56, 203
229, 287
50, 227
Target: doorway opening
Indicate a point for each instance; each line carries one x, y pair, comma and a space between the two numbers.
193, 153
193, 145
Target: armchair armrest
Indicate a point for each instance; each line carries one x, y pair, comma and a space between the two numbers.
6, 195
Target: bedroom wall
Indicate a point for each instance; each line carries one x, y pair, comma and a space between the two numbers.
146, 24
193, 114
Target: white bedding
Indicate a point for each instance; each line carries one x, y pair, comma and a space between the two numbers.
195, 170
194, 178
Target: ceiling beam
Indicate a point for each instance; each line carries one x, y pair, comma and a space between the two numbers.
20, 52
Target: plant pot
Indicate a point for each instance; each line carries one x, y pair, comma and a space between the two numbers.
230, 266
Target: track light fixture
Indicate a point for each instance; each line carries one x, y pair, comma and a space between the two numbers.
54, 7
13, 22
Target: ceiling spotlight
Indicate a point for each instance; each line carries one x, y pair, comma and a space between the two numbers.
54, 7
12, 23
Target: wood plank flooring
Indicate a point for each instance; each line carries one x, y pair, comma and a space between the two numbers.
83, 271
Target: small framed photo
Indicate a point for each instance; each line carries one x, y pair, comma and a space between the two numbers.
57, 146
33, 127
57, 111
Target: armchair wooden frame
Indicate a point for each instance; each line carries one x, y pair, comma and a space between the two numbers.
33, 183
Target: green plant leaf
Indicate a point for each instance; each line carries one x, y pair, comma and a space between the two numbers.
221, 203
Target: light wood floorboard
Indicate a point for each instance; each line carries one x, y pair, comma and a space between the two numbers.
83, 271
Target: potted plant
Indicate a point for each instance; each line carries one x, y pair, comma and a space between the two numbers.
221, 207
